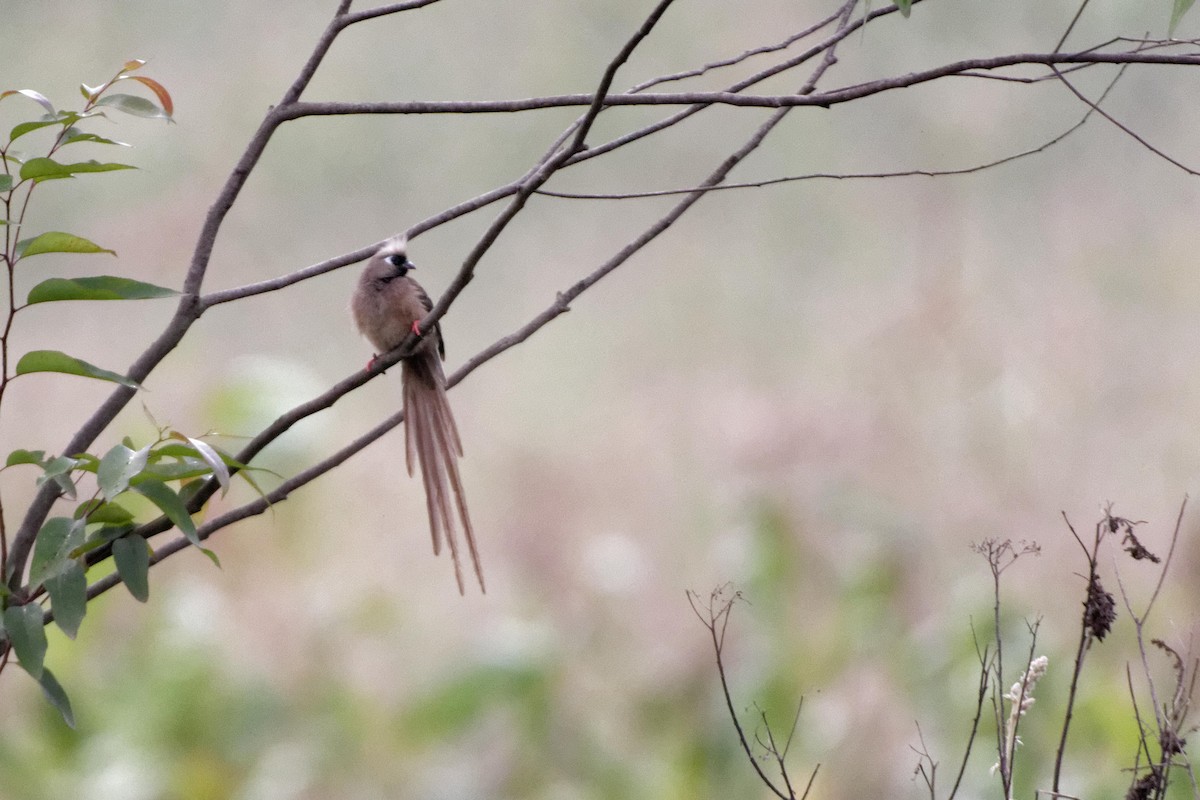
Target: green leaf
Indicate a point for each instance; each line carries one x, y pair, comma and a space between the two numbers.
74, 135
132, 555
45, 169
55, 361
160, 91
211, 457
68, 597
101, 287
87, 462
48, 547
181, 470
106, 534
169, 503
59, 470
57, 696
58, 242
905, 7
27, 127
1180, 8
118, 467
64, 118
133, 105
5, 183
98, 511
28, 637
25, 457
52, 548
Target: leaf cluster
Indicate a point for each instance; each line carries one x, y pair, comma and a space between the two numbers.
109, 490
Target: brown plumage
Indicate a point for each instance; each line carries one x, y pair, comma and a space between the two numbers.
387, 305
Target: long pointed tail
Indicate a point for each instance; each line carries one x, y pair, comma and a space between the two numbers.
431, 438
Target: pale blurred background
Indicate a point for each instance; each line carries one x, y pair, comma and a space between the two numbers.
822, 392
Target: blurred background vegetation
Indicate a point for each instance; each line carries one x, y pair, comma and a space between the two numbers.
823, 392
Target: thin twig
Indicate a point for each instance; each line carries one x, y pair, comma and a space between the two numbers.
1080, 650
1070, 27
981, 693
711, 622
1162, 575
348, 18
1122, 126
733, 61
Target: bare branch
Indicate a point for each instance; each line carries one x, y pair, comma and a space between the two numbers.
1063, 39
981, 693
348, 18
825, 99
720, 616
1162, 575
1124, 128
729, 62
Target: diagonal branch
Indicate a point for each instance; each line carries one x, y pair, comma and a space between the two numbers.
1124, 128
560, 305
187, 312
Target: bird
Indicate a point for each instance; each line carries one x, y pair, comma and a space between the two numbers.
387, 305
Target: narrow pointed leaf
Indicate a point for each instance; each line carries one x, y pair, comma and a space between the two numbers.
118, 468
132, 555
160, 91
68, 598
1179, 8
57, 696
101, 287
44, 169
169, 503
24, 627
211, 457
98, 511
133, 63
58, 242
133, 105
74, 135
37, 97
55, 361
101, 537
28, 127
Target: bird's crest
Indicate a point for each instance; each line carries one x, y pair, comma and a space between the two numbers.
394, 246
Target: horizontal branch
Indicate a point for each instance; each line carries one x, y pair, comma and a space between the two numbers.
819, 99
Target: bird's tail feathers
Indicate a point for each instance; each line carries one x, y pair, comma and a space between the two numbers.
432, 441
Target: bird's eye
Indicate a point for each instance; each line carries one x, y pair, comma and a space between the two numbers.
396, 260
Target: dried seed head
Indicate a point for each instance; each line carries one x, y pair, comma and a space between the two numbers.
1146, 786
1100, 610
